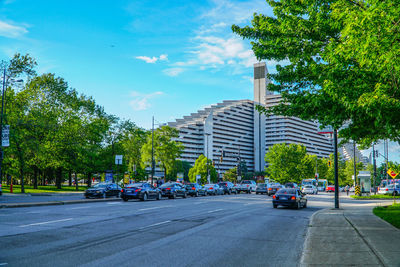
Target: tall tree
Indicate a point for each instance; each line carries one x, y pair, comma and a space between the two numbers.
341, 63
289, 163
200, 168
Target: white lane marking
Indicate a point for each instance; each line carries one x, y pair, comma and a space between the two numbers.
32, 224
150, 208
199, 203
215, 210
77, 208
4, 263
114, 203
155, 224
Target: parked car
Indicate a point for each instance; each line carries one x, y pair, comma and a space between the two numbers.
289, 197
291, 185
103, 190
309, 189
390, 189
203, 191
228, 187
213, 189
193, 189
330, 188
142, 191
173, 190
262, 189
272, 189
247, 186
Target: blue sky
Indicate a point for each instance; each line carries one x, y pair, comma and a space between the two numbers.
140, 59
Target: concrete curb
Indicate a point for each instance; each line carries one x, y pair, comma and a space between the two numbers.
53, 203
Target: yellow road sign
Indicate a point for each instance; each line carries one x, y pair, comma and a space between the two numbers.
392, 173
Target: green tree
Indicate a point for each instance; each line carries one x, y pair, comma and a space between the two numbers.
166, 149
231, 175
349, 172
289, 163
341, 63
200, 168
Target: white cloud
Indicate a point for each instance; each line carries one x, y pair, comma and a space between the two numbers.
173, 71
11, 31
152, 60
140, 101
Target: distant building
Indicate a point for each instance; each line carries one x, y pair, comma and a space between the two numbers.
237, 129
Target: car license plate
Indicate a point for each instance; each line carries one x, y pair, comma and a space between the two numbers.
129, 191
283, 197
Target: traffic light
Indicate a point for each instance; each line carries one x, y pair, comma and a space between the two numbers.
329, 163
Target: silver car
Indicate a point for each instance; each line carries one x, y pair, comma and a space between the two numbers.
214, 189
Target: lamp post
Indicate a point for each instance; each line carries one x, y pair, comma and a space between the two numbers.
207, 135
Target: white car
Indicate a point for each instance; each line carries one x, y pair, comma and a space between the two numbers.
389, 189
309, 189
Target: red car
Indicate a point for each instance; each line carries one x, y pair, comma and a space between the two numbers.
330, 188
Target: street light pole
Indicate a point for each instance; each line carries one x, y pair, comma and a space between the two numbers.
374, 162
1, 126
335, 141
152, 150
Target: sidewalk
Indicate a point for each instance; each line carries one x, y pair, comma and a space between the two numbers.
351, 236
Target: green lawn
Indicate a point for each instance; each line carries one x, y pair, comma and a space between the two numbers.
391, 214
374, 197
42, 189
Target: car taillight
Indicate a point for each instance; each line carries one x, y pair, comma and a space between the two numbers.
211, 188
247, 185
193, 188
269, 189
122, 190
168, 188
293, 198
137, 190
387, 189
274, 197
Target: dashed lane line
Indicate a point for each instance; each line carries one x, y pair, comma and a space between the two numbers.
41, 223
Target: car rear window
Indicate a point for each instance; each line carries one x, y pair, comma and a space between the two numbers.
246, 182
308, 186
167, 185
287, 191
261, 185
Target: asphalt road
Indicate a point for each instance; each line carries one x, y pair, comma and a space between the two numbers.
231, 230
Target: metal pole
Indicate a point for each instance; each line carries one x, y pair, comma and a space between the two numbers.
152, 151
374, 162
1, 125
354, 161
335, 140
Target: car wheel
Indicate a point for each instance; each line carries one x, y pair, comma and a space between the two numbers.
144, 198
256, 193
249, 192
275, 206
305, 205
205, 193
125, 199
87, 197
185, 195
197, 194
159, 196
104, 195
298, 205
118, 195
173, 195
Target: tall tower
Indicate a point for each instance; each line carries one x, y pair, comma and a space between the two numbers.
260, 92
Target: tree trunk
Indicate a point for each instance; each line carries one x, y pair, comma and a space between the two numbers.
58, 177
76, 182
35, 177
89, 179
70, 178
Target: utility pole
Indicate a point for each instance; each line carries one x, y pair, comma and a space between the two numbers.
354, 161
374, 162
335, 142
152, 151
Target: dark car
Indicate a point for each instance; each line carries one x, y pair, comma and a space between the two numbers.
142, 191
262, 189
193, 189
173, 190
203, 191
272, 189
228, 187
289, 197
103, 190
291, 185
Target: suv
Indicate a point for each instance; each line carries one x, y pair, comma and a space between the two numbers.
247, 186
228, 187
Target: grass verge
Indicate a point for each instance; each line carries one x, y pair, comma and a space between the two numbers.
391, 214
374, 197
43, 189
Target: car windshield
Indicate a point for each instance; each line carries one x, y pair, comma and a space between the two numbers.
287, 191
100, 185
308, 186
209, 185
135, 185
167, 185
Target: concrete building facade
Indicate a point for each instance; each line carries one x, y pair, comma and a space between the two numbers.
235, 127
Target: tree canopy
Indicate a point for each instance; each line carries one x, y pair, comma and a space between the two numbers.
339, 63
